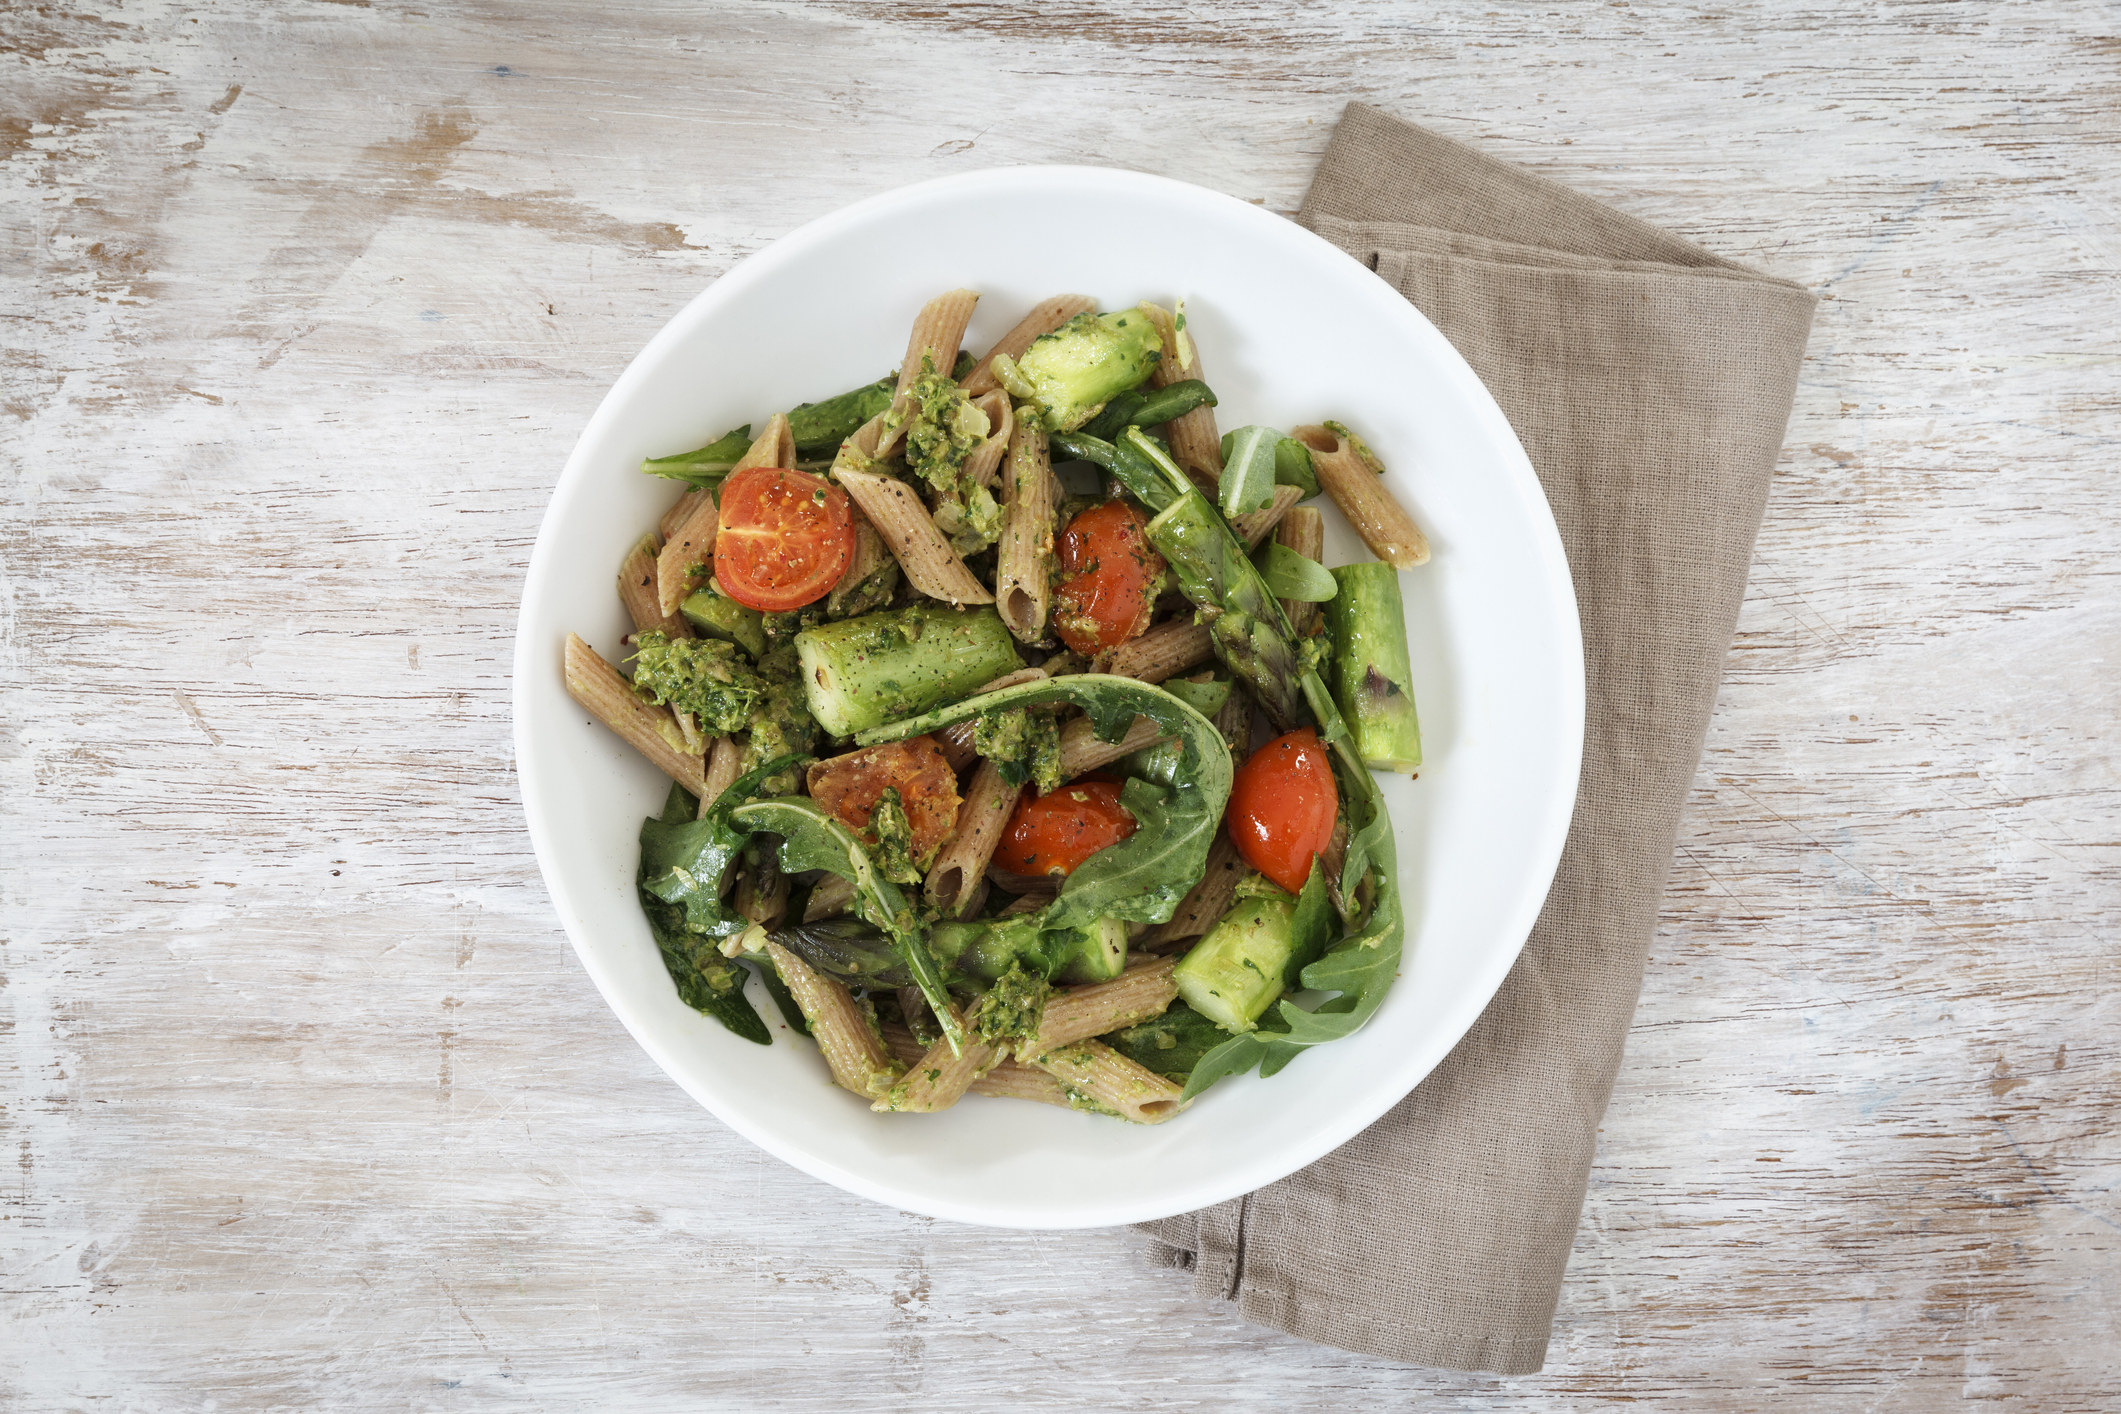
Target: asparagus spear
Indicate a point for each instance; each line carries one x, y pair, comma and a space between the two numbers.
1255, 952
861, 673
1372, 682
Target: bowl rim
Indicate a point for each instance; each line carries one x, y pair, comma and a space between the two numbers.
1545, 545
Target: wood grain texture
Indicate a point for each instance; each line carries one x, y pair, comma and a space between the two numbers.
311, 1107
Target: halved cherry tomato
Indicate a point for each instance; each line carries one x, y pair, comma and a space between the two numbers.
784, 538
1282, 807
1055, 833
1110, 578
850, 786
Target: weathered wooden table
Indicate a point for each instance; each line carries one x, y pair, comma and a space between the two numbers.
308, 1101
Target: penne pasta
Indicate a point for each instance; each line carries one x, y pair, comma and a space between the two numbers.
831, 897
938, 331
762, 893
773, 447
842, 1029
868, 558
983, 461
1206, 902
1045, 316
1234, 720
1022, 577
1253, 526
939, 1078
981, 819
1303, 530
695, 744
1164, 651
1081, 751
1104, 1076
638, 591
689, 548
1357, 487
684, 506
1194, 442
1009, 1080
724, 756
1078, 1013
649, 729
925, 557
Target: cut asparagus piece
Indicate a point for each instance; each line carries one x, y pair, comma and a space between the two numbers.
1074, 371
717, 615
1371, 679
1258, 951
861, 673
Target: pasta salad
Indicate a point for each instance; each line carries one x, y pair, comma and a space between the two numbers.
1020, 743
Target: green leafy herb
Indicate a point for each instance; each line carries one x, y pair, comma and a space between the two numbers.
705, 466
812, 839
1290, 574
1248, 470
1171, 1044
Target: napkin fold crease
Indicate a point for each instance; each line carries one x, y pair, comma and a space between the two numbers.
1650, 382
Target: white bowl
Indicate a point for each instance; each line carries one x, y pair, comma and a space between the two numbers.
1291, 330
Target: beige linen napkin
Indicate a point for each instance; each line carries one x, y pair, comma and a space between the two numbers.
1650, 382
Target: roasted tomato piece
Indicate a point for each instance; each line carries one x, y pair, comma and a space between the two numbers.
1056, 832
1110, 578
850, 786
783, 540
1282, 807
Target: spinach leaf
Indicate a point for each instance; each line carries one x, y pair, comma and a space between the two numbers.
812, 839
1142, 878
1172, 1045
706, 981
680, 884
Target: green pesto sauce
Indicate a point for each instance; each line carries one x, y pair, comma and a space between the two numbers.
892, 854
780, 722
1023, 745
704, 676
1009, 1011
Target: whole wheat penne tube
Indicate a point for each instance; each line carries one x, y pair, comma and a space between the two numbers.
723, 758
1358, 488
955, 742
762, 893
983, 460
1009, 1080
695, 743
1207, 901
1022, 591
869, 556
1194, 442
1045, 316
855, 1053
938, 331
924, 556
1102, 1074
690, 545
1253, 526
682, 507
647, 728
939, 1078
1166, 650
1303, 530
1081, 751
1077, 1013
831, 896
981, 818
773, 447
638, 591
1234, 720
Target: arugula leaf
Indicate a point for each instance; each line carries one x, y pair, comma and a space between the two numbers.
1171, 1044
1291, 575
813, 839
1142, 878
